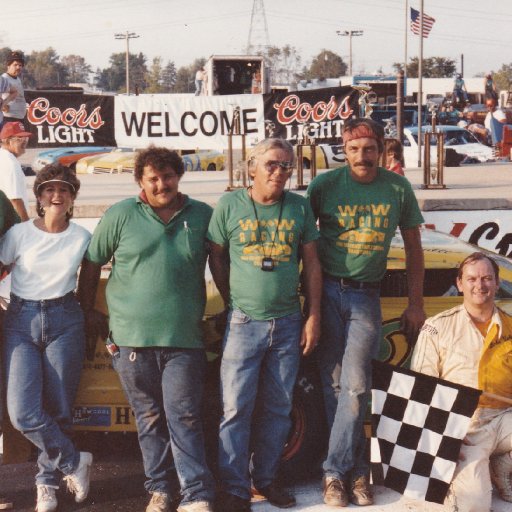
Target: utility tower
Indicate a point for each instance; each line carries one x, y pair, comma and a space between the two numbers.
258, 40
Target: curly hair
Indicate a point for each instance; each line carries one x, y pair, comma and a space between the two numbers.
159, 159
55, 172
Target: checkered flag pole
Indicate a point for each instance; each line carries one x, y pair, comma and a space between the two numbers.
418, 423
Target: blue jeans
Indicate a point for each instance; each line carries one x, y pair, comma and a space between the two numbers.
43, 353
165, 389
260, 360
351, 325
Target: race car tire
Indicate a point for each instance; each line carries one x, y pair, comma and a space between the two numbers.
308, 438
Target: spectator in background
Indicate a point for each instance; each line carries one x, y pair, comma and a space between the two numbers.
395, 157
5, 89
490, 91
14, 140
477, 129
200, 76
460, 92
494, 111
14, 105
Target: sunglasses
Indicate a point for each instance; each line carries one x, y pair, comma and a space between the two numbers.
274, 165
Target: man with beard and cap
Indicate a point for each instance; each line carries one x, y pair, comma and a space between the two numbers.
359, 207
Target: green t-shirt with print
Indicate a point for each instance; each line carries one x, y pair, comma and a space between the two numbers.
358, 220
276, 231
156, 291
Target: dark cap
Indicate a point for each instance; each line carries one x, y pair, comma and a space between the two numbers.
15, 56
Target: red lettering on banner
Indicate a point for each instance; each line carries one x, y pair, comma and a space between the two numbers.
291, 109
39, 112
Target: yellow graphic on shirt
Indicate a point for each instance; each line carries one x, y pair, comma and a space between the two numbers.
271, 239
363, 227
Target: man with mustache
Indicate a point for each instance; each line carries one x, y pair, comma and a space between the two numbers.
156, 299
359, 206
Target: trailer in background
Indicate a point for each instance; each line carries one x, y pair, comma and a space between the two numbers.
236, 74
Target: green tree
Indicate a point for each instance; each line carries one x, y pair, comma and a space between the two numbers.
44, 69
154, 77
77, 69
4, 53
169, 76
284, 64
503, 77
433, 67
113, 78
326, 65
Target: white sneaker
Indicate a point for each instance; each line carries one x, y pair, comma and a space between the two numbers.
5, 504
196, 506
501, 475
46, 499
79, 481
159, 502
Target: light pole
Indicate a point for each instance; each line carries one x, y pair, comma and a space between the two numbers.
127, 35
350, 34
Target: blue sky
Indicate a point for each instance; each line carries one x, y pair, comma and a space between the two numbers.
182, 30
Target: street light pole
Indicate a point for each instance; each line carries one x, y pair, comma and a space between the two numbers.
350, 34
127, 35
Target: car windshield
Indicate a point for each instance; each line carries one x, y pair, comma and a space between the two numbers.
453, 138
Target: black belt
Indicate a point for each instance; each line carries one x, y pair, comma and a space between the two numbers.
47, 302
352, 283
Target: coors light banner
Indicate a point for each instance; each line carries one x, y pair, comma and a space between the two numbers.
69, 118
319, 114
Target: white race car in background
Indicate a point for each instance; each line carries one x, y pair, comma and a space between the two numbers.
459, 139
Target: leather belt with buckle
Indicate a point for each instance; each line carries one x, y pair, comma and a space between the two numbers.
352, 283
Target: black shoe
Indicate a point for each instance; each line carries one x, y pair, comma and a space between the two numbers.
228, 502
277, 496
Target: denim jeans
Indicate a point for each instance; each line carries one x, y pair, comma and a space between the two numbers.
44, 347
351, 326
165, 389
260, 362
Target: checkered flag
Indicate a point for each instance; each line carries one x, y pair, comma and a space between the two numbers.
418, 423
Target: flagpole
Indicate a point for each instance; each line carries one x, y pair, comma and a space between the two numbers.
405, 46
420, 84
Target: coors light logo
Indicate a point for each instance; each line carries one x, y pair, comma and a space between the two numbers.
320, 120
70, 125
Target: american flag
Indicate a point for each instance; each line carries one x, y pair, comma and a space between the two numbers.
428, 23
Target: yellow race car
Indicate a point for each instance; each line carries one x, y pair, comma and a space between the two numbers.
102, 406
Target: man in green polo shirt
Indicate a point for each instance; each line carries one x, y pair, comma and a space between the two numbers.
359, 207
257, 237
156, 298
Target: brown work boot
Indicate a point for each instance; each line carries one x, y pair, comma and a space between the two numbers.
501, 475
335, 492
360, 493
